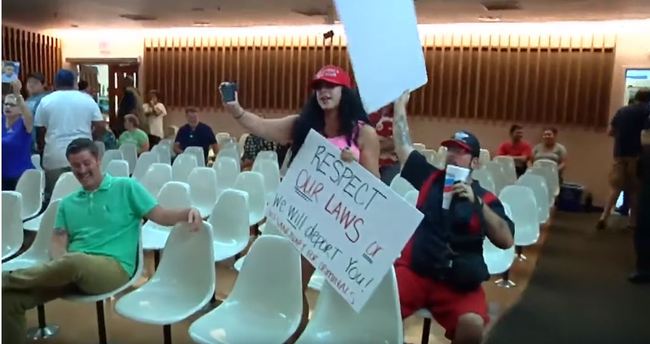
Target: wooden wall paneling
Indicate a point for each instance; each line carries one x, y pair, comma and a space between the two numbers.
513, 107
423, 89
276, 76
50, 56
432, 77
297, 93
495, 112
237, 52
488, 67
468, 73
547, 95
251, 71
198, 71
459, 78
505, 106
290, 72
474, 106
441, 78
581, 85
176, 86
265, 63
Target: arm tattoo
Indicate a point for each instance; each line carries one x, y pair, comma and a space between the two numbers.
401, 134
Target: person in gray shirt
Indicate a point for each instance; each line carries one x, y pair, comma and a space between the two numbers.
550, 149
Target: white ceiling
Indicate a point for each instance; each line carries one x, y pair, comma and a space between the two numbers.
48, 14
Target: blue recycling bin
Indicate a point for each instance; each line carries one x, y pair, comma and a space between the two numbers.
570, 198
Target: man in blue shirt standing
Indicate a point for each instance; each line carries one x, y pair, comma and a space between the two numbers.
195, 134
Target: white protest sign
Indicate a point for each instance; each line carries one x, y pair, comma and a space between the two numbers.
343, 219
385, 48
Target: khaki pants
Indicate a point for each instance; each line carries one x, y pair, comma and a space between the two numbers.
72, 273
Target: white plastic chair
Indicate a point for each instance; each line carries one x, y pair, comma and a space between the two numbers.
401, 186
540, 189
12, 223
118, 168
498, 260
242, 142
156, 176
36, 161
508, 167
203, 189
334, 321
521, 201
65, 185
221, 137
227, 170
268, 228
267, 155
253, 184
419, 146
145, 160
271, 173
173, 195
484, 178
130, 153
548, 169
483, 157
230, 152
30, 186
164, 152
99, 299
101, 148
183, 166
229, 221
412, 197
431, 155
498, 176
109, 155
176, 290
198, 154
254, 300
38, 253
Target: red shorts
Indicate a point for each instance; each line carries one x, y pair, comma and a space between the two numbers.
445, 304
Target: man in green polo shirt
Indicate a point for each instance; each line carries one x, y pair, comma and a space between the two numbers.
95, 241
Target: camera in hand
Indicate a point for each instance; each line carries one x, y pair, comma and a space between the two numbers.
228, 90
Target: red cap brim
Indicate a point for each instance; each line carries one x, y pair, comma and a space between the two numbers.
457, 143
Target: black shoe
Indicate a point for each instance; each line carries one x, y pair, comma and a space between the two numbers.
622, 211
601, 225
639, 277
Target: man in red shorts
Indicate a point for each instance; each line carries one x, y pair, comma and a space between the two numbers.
441, 267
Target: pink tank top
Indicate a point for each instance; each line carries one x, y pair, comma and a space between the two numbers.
342, 141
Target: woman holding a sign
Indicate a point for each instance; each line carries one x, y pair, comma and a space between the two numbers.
335, 111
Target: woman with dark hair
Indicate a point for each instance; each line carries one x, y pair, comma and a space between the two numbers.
335, 111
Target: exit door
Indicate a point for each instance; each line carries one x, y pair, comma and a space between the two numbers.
117, 82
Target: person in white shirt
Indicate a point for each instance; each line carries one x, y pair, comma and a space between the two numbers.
61, 117
154, 111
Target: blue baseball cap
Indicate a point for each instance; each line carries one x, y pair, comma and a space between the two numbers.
64, 78
465, 140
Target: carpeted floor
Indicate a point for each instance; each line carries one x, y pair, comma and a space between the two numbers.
579, 292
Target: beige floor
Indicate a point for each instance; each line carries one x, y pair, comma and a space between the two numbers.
78, 321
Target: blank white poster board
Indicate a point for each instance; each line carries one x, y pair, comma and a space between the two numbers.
385, 48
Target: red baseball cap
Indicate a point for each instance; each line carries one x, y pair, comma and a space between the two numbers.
334, 75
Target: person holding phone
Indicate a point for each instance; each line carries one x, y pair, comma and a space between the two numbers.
334, 110
17, 125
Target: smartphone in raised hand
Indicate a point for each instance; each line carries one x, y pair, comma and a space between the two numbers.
228, 91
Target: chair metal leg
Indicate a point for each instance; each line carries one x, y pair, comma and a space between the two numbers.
167, 334
520, 254
156, 259
505, 281
101, 322
42, 331
426, 330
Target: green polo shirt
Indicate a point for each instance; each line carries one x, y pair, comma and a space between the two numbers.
106, 221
